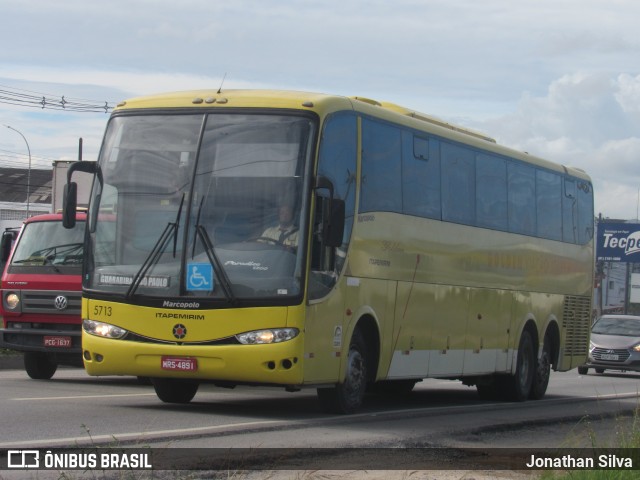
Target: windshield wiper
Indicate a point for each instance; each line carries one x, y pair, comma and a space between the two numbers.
46, 256
156, 251
215, 261
219, 272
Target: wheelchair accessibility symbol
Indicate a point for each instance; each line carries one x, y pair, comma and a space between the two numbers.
199, 276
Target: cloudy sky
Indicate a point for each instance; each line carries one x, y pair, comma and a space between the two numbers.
555, 78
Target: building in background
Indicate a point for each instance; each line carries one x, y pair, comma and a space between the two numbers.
13, 195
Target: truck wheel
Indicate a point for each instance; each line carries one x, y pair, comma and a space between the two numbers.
542, 372
517, 387
39, 366
346, 397
175, 390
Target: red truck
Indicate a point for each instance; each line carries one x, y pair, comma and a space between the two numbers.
42, 293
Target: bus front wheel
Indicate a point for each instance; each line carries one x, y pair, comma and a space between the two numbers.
175, 390
346, 397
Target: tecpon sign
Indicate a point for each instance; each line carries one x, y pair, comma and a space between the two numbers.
618, 242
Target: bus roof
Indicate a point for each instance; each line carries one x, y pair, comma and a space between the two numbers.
324, 104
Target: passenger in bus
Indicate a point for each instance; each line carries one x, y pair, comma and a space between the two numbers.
285, 233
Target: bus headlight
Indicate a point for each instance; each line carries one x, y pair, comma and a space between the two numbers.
12, 300
273, 335
101, 329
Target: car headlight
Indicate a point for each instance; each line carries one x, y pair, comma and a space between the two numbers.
591, 346
273, 335
12, 300
101, 329
636, 348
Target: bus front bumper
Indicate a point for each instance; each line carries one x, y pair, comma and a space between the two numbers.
269, 364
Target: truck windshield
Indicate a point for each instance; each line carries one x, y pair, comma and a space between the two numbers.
49, 243
201, 206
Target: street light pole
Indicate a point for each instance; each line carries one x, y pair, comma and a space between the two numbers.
28, 171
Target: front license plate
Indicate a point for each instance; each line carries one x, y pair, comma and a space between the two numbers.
178, 364
608, 356
55, 341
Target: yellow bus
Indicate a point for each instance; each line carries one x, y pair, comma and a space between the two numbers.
307, 240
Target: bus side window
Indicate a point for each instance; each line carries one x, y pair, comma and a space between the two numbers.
337, 164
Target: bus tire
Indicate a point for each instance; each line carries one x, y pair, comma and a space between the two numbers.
542, 372
346, 397
517, 387
175, 390
39, 366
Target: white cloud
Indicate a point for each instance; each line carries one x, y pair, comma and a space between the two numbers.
543, 76
589, 121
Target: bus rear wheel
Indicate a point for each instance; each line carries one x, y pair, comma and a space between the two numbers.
542, 372
346, 397
517, 387
39, 366
175, 390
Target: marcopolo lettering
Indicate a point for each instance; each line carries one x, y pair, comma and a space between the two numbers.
170, 304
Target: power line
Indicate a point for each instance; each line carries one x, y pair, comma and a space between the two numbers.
9, 154
13, 96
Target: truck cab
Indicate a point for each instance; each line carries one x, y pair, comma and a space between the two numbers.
41, 294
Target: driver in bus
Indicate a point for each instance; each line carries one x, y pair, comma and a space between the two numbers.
285, 233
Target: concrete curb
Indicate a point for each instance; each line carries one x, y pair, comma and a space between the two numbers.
12, 361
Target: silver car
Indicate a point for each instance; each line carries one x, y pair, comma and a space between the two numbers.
615, 344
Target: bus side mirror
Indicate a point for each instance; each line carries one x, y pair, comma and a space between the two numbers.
332, 213
69, 204
70, 191
333, 229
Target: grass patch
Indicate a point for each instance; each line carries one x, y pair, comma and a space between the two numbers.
626, 436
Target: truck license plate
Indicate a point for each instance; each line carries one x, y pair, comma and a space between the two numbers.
179, 364
55, 341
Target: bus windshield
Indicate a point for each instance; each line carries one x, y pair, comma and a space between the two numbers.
201, 205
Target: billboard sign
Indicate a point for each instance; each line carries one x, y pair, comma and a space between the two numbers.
618, 242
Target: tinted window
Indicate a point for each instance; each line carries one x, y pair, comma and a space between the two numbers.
549, 201
458, 184
381, 168
491, 191
522, 199
585, 213
420, 176
337, 162
569, 212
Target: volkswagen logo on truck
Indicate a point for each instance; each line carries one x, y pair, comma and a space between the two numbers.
60, 302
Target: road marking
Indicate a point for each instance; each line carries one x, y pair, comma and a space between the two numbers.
85, 396
139, 437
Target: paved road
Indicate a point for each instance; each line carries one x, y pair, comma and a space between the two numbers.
74, 409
